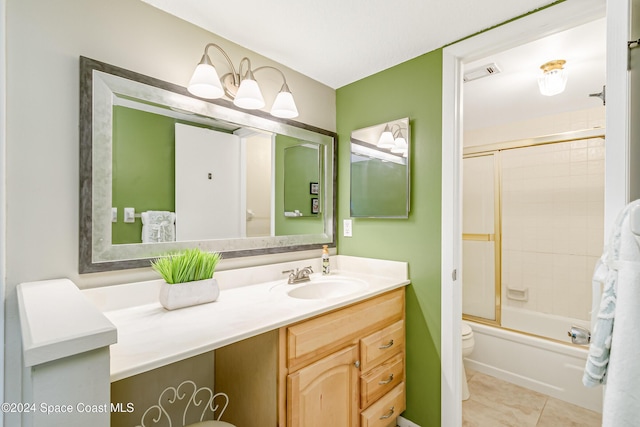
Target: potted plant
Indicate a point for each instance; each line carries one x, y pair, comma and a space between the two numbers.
188, 278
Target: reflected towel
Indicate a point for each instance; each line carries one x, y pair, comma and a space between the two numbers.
158, 226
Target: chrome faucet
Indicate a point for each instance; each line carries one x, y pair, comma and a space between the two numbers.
298, 275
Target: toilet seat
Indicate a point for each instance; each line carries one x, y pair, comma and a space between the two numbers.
468, 343
466, 330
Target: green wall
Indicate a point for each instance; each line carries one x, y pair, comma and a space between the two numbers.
412, 89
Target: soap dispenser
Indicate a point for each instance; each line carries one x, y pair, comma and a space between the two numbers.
325, 260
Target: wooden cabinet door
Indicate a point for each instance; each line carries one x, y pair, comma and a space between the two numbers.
325, 393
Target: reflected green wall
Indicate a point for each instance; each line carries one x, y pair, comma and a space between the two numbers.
143, 168
307, 224
143, 177
412, 89
381, 188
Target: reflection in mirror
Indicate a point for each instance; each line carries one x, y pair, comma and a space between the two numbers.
301, 187
380, 171
162, 171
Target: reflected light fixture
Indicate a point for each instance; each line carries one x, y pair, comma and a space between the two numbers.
386, 139
554, 77
392, 138
240, 86
399, 143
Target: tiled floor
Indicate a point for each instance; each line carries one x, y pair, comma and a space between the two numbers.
496, 403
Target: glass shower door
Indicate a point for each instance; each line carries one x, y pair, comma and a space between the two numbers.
480, 239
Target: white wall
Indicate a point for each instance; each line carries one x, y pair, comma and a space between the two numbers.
589, 118
44, 40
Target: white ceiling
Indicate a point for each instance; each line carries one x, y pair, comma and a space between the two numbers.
337, 42
513, 94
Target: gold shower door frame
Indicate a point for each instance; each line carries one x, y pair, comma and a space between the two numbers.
495, 150
495, 237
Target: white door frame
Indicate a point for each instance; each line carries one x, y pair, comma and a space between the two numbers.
543, 23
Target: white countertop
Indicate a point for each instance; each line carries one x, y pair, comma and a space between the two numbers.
49, 321
150, 336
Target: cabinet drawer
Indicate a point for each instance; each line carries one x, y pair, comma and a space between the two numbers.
385, 410
381, 345
311, 339
381, 379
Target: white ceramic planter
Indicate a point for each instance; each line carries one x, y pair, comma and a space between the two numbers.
187, 294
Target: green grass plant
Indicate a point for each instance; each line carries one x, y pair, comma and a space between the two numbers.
187, 266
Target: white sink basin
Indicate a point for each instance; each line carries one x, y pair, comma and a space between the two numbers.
327, 288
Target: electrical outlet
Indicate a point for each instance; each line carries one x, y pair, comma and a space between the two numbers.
347, 226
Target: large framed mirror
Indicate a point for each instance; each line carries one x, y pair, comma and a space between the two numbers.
380, 170
162, 171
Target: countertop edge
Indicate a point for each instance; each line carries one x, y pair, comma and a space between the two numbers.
53, 331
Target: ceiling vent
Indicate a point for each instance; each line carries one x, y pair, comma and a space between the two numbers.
480, 72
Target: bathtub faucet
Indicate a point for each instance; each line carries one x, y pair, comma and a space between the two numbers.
579, 335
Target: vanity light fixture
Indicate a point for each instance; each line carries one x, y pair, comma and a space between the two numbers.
554, 77
240, 86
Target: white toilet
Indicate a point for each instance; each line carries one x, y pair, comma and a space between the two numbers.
467, 348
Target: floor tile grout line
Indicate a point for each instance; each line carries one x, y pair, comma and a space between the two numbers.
546, 400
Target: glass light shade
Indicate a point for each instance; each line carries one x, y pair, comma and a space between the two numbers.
205, 82
284, 106
249, 96
400, 145
386, 138
552, 82
400, 142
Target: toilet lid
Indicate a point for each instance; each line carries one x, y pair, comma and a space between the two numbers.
466, 329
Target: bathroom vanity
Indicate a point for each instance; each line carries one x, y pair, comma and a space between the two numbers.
279, 349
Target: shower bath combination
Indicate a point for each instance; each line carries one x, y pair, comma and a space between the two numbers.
533, 231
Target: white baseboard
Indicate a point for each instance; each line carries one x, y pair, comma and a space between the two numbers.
403, 422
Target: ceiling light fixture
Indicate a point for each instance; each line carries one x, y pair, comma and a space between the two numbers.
554, 77
241, 87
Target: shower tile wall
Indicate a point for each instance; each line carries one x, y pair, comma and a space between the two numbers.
552, 226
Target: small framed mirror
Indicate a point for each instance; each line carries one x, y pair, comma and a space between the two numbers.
380, 172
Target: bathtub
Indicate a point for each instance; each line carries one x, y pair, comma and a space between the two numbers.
538, 364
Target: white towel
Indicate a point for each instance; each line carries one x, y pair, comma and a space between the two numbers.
158, 226
614, 355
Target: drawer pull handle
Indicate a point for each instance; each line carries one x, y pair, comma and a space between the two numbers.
382, 347
388, 414
387, 381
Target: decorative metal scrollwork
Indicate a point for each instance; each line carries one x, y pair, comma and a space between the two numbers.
201, 398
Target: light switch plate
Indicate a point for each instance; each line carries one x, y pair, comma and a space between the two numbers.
114, 214
347, 226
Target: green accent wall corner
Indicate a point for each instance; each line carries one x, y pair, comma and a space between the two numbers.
412, 89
